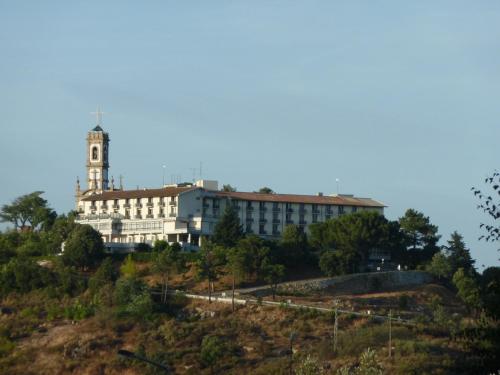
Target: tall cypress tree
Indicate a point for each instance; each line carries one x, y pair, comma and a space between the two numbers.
228, 229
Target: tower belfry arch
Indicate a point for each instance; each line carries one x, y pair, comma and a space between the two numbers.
97, 156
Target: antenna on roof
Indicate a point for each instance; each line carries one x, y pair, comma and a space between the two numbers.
337, 180
193, 170
201, 174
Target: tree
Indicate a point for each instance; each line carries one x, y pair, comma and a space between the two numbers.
22, 275
345, 242
273, 274
255, 250
167, 262
228, 188
420, 236
293, 244
490, 291
458, 255
228, 229
208, 264
239, 264
440, 266
467, 289
84, 247
128, 268
106, 273
28, 211
330, 263
490, 206
266, 190
211, 351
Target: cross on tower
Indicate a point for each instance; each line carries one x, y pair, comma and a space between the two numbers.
98, 114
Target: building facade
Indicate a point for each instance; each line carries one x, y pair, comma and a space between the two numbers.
185, 212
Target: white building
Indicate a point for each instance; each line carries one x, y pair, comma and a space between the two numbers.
185, 212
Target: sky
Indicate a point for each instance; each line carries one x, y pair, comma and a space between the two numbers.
398, 100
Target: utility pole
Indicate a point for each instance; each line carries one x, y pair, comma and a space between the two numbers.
335, 332
390, 333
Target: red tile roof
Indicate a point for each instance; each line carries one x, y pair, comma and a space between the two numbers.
296, 198
133, 194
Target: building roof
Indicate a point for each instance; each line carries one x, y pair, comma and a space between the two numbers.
97, 129
297, 198
133, 194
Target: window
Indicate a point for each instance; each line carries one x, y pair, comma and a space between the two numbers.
341, 210
315, 218
354, 209
276, 231
262, 229
95, 152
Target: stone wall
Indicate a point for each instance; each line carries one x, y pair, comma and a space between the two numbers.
360, 283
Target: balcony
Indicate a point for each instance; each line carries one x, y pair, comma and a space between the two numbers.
161, 204
138, 205
138, 217
116, 206
262, 209
302, 211
249, 209
289, 221
289, 210
126, 205
149, 216
262, 220
104, 207
315, 212
172, 214
149, 204
276, 221
161, 215
249, 219
276, 209
172, 203
302, 222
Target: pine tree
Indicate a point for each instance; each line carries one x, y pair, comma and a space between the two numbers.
228, 229
458, 254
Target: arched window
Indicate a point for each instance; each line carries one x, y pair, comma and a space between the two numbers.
94, 153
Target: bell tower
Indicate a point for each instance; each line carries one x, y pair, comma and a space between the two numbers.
97, 157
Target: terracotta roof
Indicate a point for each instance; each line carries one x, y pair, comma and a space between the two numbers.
133, 194
296, 198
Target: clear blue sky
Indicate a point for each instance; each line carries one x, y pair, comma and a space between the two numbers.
399, 100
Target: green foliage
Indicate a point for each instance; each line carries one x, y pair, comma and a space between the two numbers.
490, 206
28, 210
211, 351
458, 255
273, 274
345, 242
84, 247
440, 266
368, 365
228, 188
128, 268
294, 246
23, 275
79, 310
69, 280
467, 289
490, 291
420, 237
308, 365
331, 263
266, 190
228, 229
106, 273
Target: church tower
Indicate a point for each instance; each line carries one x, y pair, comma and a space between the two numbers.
97, 158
